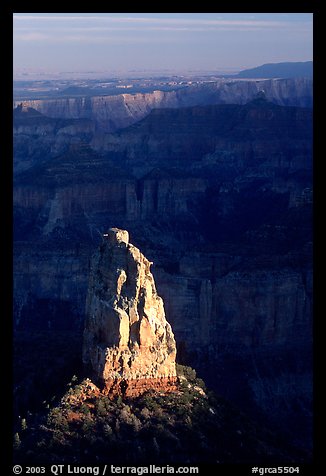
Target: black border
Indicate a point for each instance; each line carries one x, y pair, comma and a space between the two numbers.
286, 6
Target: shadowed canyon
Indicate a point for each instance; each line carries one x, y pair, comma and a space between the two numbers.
214, 185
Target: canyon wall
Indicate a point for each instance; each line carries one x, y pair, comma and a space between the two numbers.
115, 112
220, 199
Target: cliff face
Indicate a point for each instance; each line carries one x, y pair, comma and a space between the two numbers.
114, 112
249, 309
191, 177
128, 344
255, 138
38, 138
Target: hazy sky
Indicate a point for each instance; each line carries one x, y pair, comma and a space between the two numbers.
159, 41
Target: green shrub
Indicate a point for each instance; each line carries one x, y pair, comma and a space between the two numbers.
200, 383
149, 401
100, 407
17, 441
84, 409
107, 430
57, 420
145, 413
119, 401
187, 372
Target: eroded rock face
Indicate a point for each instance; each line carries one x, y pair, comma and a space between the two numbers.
129, 346
115, 112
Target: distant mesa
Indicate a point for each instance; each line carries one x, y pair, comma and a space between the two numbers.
279, 70
129, 346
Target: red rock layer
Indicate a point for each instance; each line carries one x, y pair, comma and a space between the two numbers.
136, 387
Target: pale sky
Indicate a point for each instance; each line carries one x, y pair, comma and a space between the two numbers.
125, 42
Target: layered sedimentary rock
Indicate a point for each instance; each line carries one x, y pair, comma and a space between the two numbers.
129, 346
240, 158
215, 139
114, 112
38, 137
220, 198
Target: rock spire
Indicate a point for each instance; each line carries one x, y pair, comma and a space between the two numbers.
128, 346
